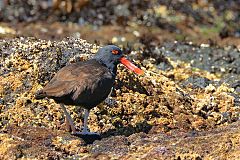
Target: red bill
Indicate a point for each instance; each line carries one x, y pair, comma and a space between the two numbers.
131, 66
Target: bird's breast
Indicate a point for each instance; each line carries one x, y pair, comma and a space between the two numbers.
95, 91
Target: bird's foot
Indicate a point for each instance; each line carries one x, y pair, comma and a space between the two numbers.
86, 133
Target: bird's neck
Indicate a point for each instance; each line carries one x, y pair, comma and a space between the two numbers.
110, 65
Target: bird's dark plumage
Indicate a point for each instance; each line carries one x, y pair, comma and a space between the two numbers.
83, 84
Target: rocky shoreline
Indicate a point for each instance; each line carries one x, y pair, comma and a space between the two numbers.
183, 107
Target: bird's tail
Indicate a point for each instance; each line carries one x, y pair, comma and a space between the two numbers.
40, 94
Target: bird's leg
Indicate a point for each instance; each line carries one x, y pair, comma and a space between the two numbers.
68, 119
85, 127
68, 127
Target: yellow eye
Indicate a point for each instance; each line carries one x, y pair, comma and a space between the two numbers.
114, 51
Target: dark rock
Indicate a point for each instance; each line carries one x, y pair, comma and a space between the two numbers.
196, 82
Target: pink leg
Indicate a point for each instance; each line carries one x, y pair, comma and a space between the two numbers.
68, 120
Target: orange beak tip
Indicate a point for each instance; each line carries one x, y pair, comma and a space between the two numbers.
139, 71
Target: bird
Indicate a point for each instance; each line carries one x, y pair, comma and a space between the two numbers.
86, 83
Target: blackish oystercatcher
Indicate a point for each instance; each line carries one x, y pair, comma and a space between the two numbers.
86, 83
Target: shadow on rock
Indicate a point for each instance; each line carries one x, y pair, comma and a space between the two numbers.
88, 138
128, 130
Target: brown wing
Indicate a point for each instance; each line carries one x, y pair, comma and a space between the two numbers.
74, 78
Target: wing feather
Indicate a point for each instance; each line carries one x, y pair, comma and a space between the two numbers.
74, 79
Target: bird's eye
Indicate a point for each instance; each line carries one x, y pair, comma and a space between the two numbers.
115, 52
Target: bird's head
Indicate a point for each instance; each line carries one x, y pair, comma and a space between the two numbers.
112, 55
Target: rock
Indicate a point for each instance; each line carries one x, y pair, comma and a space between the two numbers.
149, 109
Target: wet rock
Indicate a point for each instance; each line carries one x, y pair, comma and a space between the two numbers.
213, 60
196, 82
